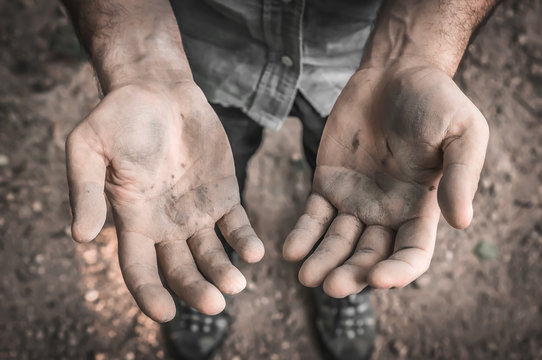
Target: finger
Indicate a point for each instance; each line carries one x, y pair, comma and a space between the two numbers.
137, 257
414, 245
310, 227
464, 154
238, 232
213, 261
183, 277
337, 245
86, 173
375, 244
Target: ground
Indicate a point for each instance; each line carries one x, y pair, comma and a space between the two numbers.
481, 298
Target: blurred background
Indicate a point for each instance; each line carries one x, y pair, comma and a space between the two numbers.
481, 298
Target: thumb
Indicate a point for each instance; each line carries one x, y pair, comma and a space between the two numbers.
464, 151
86, 173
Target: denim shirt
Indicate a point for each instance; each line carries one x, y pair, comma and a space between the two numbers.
256, 54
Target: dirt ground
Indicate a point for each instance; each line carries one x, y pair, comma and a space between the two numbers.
481, 298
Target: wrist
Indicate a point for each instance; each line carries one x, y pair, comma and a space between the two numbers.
142, 69
131, 59
130, 41
425, 32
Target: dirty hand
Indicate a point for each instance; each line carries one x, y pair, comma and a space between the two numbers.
401, 141
166, 165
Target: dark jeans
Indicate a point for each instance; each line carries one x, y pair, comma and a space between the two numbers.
245, 135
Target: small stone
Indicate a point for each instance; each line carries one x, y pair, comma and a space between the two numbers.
91, 295
37, 206
486, 251
90, 256
38, 259
486, 183
99, 356
285, 345
68, 231
397, 347
130, 356
10, 196
296, 157
274, 357
251, 285
422, 282
449, 255
4, 160
522, 39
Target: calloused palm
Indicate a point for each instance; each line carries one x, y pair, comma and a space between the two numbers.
394, 140
169, 176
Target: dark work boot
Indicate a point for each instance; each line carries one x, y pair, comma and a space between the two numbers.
192, 335
346, 327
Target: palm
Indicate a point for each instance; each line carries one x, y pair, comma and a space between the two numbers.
170, 178
183, 174
379, 164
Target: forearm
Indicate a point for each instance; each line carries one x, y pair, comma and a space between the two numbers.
130, 39
432, 31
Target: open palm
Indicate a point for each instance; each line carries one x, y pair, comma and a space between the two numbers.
395, 138
167, 168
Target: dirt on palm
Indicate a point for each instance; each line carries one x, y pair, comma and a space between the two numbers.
481, 298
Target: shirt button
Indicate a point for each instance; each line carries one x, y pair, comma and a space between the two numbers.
287, 61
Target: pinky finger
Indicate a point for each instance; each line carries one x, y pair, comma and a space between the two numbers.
414, 245
137, 257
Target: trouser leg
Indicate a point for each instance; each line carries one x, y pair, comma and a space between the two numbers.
245, 137
313, 126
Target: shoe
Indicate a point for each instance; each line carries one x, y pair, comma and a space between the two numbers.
346, 327
192, 335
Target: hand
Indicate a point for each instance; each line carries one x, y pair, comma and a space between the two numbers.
169, 176
396, 137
